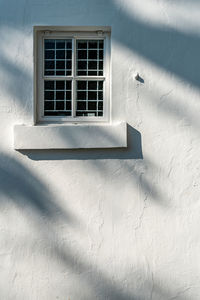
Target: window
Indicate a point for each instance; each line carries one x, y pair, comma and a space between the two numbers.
71, 84
72, 78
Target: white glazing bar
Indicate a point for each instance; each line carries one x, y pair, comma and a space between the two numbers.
58, 77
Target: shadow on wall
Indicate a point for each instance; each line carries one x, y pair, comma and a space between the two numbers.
133, 151
172, 50
175, 52
28, 193
125, 156
21, 187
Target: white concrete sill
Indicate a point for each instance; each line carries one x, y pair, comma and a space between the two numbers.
70, 136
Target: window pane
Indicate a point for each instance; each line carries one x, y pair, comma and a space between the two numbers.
92, 54
92, 85
81, 85
57, 97
49, 105
60, 95
87, 98
49, 44
89, 55
93, 44
49, 85
49, 54
49, 65
60, 85
59, 105
60, 44
60, 64
58, 56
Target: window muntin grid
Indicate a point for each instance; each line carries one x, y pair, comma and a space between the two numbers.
57, 57
89, 98
57, 98
89, 54
94, 104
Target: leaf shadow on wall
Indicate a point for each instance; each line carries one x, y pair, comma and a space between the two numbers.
20, 189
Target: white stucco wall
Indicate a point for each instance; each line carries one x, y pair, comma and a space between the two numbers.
106, 224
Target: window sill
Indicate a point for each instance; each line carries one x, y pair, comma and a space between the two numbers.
70, 136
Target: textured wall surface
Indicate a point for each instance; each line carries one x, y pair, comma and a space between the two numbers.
106, 224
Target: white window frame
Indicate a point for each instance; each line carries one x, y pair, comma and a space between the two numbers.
74, 33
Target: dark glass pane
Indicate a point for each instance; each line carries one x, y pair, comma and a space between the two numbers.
81, 73
81, 105
100, 95
49, 73
100, 65
60, 64
82, 65
68, 73
101, 44
49, 85
68, 85
49, 44
81, 85
49, 95
57, 113
100, 85
68, 105
68, 95
93, 44
60, 105
69, 64
59, 95
92, 85
92, 73
92, 105
82, 45
69, 45
68, 54
60, 73
92, 65
101, 54
81, 95
49, 54
60, 85
100, 73
49, 64
48, 105
60, 44
100, 105
82, 54
92, 54
60, 54
92, 95
100, 114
